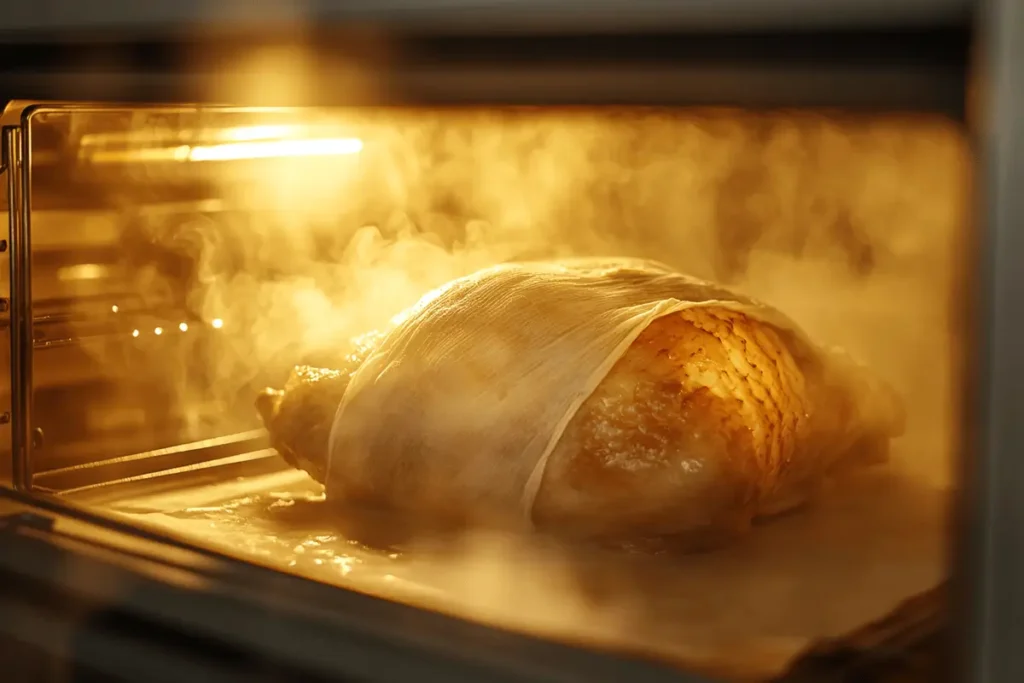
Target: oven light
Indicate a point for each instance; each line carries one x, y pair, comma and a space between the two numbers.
217, 323
114, 308
250, 144
183, 327
158, 331
276, 148
119, 156
82, 271
246, 133
135, 333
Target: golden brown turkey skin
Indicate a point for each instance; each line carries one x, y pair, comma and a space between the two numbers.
298, 418
707, 421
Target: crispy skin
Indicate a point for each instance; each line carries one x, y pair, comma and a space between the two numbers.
299, 417
707, 421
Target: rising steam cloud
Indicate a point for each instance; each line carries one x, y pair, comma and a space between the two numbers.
849, 225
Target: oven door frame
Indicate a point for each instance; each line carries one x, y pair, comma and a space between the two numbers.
416, 65
989, 550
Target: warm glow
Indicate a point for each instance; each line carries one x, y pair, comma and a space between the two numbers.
82, 271
276, 148
335, 246
247, 133
158, 331
114, 308
247, 142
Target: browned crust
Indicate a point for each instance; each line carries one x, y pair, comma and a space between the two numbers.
697, 424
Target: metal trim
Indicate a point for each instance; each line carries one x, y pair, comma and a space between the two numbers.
990, 549
20, 312
493, 15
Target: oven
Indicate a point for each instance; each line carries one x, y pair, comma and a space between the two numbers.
201, 197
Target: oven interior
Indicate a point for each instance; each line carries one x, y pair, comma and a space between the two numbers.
182, 258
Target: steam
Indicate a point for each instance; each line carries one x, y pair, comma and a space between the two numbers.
850, 225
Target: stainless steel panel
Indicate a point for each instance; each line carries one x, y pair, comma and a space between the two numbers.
991, 554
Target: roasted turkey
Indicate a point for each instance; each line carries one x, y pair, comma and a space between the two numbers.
605, 399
